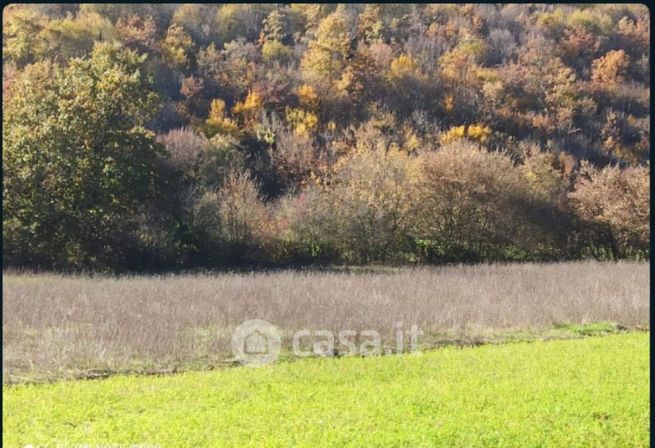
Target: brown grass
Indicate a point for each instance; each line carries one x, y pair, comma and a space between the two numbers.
69, 326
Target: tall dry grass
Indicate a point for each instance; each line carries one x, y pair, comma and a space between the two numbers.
59, 326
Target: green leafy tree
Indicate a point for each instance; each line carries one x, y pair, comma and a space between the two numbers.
178, 48
78, 162
22, 39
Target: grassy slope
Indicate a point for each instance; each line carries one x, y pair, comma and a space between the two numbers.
587, 392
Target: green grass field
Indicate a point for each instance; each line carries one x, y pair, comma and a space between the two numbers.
586, 392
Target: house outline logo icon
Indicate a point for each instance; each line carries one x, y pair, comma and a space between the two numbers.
256, 343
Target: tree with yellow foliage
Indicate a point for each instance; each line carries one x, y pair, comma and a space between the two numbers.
250, 108
218, 122
611, 68
326, 54
177, 48
476, 132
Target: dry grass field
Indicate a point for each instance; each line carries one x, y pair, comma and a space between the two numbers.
58, 326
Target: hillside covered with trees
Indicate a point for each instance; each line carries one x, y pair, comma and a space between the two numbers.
178, 136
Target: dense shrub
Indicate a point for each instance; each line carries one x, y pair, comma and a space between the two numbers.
613, 205
473, 204
370, 197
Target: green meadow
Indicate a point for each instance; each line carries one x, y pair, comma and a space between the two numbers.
590, 392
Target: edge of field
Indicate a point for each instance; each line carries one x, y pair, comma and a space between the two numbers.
431, 342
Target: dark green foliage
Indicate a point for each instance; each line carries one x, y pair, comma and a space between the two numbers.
79, 165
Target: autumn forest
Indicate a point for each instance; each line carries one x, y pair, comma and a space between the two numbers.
165, 137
